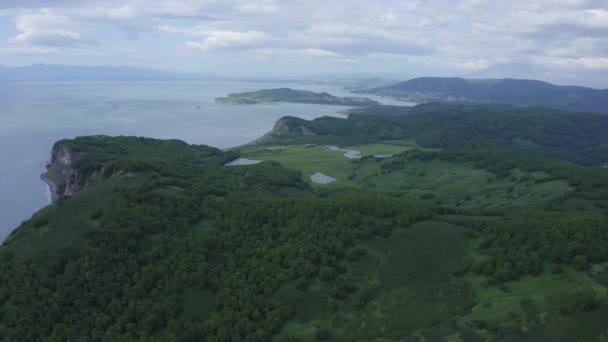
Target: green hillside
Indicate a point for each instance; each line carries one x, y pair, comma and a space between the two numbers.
577, 137
463, 241
469, 176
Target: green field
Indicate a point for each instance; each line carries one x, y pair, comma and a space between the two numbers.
308, 160
312, 159
454, 184
405, 285
379, 149
459, 184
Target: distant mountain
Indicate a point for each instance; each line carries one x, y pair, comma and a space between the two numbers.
367, 83
510, 91
45, 72
515, 70
594, 78
354, 76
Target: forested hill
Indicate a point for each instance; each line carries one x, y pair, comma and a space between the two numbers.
511, 91
292, 96
577, 137
160, 241
163, 242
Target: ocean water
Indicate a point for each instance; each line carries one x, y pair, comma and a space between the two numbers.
33, 115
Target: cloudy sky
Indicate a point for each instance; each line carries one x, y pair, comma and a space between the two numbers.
435, 37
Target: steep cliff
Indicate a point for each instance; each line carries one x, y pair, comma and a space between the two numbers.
79, 163
61, 174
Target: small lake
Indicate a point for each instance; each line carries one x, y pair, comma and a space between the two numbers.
243, 161
321, 178
350, 154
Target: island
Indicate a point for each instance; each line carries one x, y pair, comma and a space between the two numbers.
292, 96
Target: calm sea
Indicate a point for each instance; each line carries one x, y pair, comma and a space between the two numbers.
36, 114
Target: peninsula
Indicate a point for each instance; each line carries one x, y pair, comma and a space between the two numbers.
483, 223
292, 96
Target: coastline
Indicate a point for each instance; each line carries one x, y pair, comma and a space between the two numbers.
254, 142
51, 187
38, 143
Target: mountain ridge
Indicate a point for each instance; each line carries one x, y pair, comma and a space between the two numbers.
516, 92
58, 72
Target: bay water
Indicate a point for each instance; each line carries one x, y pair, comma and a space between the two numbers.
33, 115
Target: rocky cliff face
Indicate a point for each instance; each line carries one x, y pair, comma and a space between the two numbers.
63, 175
282, 125
62, 172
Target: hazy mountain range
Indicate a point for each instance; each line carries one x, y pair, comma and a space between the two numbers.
40, 72
488, 85
46, 72
591, 77
510, 91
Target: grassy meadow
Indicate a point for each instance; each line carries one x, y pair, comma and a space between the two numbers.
412, 283
443, 182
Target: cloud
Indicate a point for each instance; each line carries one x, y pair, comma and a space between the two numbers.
439, 35
218, 39
319, 53
13, 50
285, 53
106, 52
425, 36
262, 7
10, 4
45, 28
594, 62
593, 18
108, 13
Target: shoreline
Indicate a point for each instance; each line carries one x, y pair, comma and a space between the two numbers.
51, 187
253, 142
345, 112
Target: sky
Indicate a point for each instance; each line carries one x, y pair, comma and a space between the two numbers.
565, 39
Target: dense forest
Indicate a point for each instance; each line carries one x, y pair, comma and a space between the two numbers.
165, 242
577, 137
174, 231
590, 183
